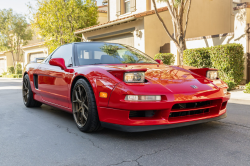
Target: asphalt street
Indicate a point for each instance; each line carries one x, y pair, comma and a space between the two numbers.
48, 136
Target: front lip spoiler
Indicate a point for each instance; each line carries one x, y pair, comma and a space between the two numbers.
157, 127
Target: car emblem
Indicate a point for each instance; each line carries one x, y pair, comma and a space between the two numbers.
194, 86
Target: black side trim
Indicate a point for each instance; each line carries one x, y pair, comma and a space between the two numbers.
157, 127
35, 80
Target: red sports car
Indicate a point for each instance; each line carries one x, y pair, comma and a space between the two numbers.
119, 87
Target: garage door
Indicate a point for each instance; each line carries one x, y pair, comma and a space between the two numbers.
33, 56
2, 65
127, 39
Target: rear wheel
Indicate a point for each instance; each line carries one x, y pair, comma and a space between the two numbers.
84, 107
28, 99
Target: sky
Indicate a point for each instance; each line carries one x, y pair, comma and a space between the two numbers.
19, 6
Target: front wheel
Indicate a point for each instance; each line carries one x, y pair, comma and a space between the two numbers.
28, 98
84, 107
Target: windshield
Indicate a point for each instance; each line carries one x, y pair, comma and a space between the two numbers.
109, 53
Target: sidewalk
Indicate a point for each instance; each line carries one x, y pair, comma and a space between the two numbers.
10, 79
239, 97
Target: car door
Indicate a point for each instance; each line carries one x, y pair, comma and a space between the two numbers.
53, 82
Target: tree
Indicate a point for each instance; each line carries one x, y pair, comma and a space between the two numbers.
176, 9
56, 20
14, 33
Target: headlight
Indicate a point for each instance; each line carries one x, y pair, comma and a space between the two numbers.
134, 77
142, 98
213, 75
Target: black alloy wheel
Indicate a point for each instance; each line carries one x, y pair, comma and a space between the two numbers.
84, 107
27, 93
80, 105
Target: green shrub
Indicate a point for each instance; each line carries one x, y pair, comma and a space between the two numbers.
4, 73
18, 69
167, 58
11, 70
198, 57
229, 60
231, 84
13, 76
247, 88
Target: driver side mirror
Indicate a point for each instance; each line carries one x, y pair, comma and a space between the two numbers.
159, 61
58, 62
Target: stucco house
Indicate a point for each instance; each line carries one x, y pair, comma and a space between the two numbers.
134, 22
34, 48
102, 14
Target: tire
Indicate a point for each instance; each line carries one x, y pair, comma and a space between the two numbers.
28, 98
84, 107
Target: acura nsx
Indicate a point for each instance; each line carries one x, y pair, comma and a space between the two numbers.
119, 87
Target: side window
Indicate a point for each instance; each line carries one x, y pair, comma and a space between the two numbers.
64, 52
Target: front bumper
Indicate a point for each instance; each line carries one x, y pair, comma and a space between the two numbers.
120, 119
158, 127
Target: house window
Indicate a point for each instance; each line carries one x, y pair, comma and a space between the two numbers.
236, 1
127, 6
234, 4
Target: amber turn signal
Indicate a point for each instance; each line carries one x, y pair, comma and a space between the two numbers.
103, 95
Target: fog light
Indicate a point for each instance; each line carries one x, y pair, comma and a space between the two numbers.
142, 98
225, 91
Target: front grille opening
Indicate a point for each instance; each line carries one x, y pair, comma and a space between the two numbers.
224, 105
191, 105
136, 114
188, 113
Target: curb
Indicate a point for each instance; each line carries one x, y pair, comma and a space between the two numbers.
239, 95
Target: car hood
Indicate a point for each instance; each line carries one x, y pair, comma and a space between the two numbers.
173, 78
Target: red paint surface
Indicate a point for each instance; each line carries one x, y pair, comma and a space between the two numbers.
159, 61
58, 62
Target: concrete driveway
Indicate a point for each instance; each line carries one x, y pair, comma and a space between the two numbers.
48, 136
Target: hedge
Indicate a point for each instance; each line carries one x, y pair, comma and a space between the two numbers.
11, 70
18, 69
199, 57
228, 59
247, 88
231, 84
167, 58
13, 76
